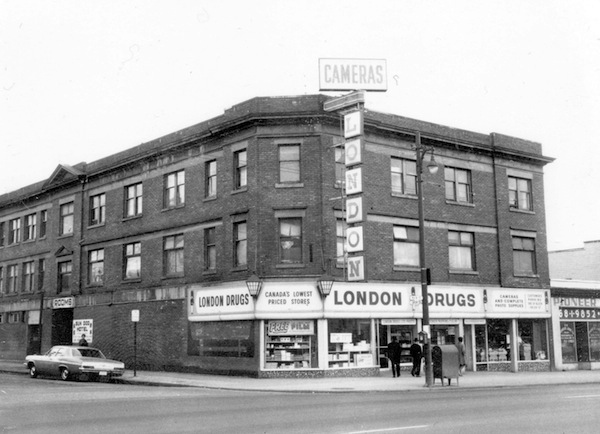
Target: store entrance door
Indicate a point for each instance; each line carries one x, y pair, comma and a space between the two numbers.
402, 332
62, 326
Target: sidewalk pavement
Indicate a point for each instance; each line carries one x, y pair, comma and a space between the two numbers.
383, 383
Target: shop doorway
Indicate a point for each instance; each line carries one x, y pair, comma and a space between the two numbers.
34, 341
402, 332
62, 326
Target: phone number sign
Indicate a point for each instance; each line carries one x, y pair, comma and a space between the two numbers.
576, 313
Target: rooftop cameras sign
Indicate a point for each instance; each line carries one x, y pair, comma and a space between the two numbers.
352, 74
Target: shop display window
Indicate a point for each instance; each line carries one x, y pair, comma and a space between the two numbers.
290, 344
492, 341
221, 339
533, 344
350, 343
580, 341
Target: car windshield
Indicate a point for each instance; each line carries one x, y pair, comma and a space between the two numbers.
88, 352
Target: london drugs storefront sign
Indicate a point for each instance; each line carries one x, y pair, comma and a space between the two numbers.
220, 303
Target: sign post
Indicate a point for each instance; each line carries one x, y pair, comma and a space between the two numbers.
135, 318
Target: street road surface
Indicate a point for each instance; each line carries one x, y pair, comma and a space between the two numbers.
52, 406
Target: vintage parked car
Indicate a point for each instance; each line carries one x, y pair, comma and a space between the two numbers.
74, 362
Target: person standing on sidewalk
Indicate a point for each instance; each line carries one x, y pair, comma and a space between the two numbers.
416, 353
462, 365
393, 353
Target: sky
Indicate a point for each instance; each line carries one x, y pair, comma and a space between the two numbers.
81, 80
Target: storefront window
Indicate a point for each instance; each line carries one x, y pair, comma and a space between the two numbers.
221, 339
350, 343
492, 341
532, 340
567, 342
290, 344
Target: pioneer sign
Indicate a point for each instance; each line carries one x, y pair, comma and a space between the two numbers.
353, 74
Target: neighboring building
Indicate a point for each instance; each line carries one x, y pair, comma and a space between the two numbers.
575, 287
176, 229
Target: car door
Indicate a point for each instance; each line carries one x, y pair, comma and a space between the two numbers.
42, 363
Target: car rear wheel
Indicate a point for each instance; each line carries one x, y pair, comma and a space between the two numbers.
33, 371
64, 374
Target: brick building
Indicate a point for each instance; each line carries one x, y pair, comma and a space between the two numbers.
575, 287
177, 228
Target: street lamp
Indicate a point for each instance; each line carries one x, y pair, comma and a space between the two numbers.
433, 168
254, 285
325, 283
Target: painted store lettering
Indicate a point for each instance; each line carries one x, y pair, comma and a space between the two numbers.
370, 298
354, 74
449, 300
220, 300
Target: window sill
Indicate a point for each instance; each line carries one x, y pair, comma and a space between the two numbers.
522, 211
290, 266
404, 196
173, 276
94, 285
407, 268
457, 203
209, 198
131, 217
98, 225
289, 185
528, 276
240, 268
136, 280
173, 208
209, 272
65, 236
239, 190
467, 272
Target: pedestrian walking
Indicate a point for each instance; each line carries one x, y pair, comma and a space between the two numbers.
417, 354
462, 365
393, 352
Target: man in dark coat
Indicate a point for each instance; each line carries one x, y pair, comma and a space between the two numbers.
393, 353
417, 353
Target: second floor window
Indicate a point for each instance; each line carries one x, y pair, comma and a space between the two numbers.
210, 183
97, 209
12, 278
41, 273
461, 250
30, 224
210, 249
240, 168
519, 193
66, 219
174, 189
289, 163
173, 255
290, 240
240, 240
1, 234
458, 185
1, 280
523, 256
133, 200
404, 176
96, 267
14, 231
65, 270
43, 223
133, 260
406, 246
340, 166
28, 275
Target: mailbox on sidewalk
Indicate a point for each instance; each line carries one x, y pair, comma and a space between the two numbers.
445, 362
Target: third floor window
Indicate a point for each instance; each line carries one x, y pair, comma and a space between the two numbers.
406, 246
240, 168
210, 183
404, 176
290, 240
458, 185
97, 209
461, 250
519, 193
133, 200
289, 163
14, 231
240, 240
66, 219
174, 194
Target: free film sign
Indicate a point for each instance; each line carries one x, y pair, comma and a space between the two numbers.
353, 74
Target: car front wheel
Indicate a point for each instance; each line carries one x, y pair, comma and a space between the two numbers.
33, 371
64, 374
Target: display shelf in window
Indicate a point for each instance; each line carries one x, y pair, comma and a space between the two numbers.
348, 355
288, 352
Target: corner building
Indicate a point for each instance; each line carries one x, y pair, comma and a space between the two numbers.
173, 232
